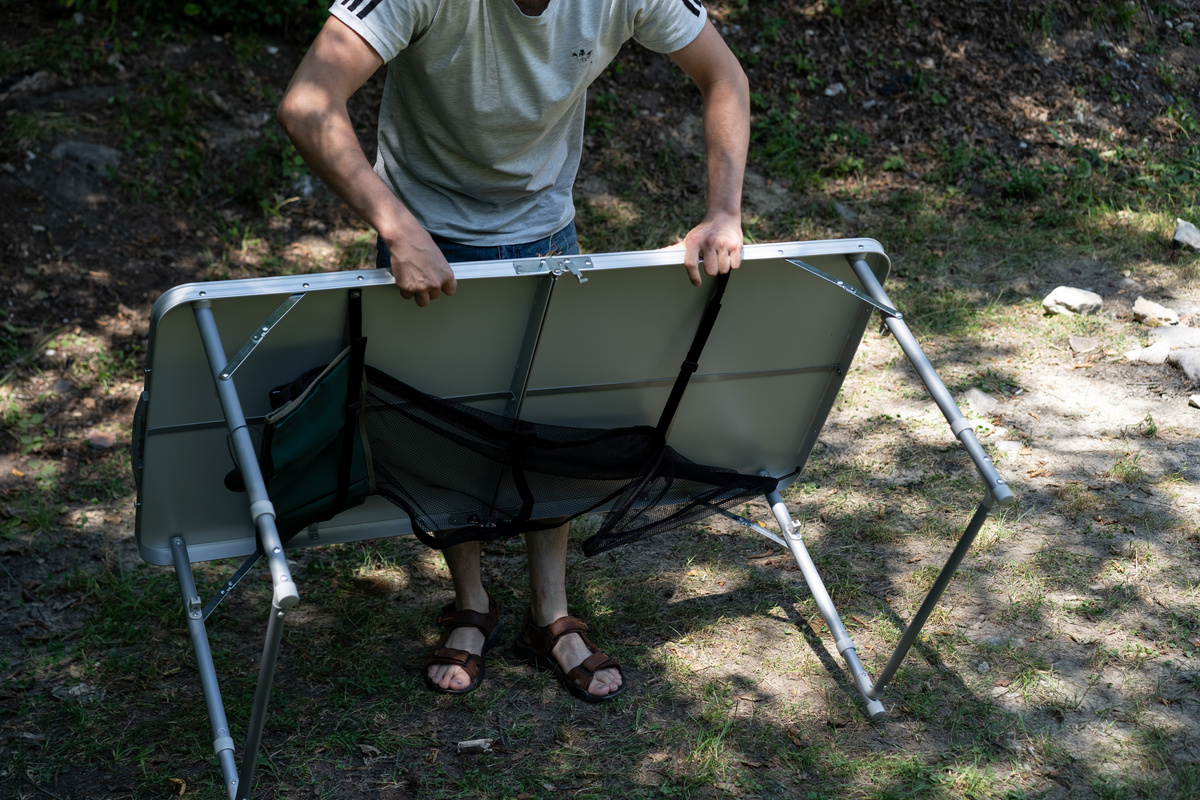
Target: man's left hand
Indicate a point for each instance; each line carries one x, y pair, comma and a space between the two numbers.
717, 241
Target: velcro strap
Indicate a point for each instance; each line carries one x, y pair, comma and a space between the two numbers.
463, 619
597, 661
564, 625
451, 655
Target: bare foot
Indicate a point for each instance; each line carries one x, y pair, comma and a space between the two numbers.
452, 676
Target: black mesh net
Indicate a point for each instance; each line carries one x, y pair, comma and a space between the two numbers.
462, 474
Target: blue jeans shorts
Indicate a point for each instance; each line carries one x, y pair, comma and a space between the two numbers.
562, 243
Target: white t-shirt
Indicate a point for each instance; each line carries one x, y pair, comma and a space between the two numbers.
481, 125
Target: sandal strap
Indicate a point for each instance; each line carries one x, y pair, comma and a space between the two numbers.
469, 662
583, 674
542, 638
451, 618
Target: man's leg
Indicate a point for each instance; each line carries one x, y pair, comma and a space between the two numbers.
547, 553
463, 561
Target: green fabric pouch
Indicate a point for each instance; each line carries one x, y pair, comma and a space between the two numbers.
315, 458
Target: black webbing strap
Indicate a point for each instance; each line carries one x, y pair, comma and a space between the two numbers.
354, 384
692, 362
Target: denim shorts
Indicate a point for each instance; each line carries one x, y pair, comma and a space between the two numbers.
562, 243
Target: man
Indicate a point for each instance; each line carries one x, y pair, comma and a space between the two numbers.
480, 136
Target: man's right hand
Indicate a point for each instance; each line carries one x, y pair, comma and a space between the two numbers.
421, 271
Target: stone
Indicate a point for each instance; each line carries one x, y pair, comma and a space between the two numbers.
1175, 338
1154, 354
1083, 344
1187, 361
1194, 401
1068, 300
101, 440
834, 89
95, 158
1009, 448
1186, 235
1130, 285
1152, 314
983, 667
980, 402
848, 214
62, 386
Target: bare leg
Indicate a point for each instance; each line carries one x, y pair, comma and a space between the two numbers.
463, 561
547, 554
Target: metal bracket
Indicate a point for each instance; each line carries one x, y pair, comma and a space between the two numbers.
555, 265
259, 336
845, 287
229, 584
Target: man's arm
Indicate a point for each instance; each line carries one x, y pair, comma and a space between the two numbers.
717, 240
313, 112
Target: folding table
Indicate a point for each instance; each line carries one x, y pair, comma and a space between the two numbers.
592, 340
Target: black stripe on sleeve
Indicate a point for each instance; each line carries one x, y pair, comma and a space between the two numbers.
692, 5
368, 8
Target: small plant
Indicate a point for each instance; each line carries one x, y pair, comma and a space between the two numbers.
1128, 468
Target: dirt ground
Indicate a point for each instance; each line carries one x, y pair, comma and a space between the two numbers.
1077, 613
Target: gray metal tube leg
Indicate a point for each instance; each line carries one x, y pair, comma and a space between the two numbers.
935, 594
193, 611
845, 644
262, 694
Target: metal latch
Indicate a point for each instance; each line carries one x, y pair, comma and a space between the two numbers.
555, 265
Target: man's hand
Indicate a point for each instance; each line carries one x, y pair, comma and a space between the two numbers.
717, 241
420, 269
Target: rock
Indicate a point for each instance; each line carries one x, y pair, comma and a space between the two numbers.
760, 197
1194, 401
1154, 354
95, 158
1188, 361
982, 667
1070, 301
980, 402
1083, 344
1130, 285
999, 691
1009, 448
101, 440
848, 214
62, 386
1152, 314
1176, 338
834, 89
1186, 235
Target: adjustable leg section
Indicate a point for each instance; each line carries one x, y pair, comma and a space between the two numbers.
193, 611
845, 644
262, 512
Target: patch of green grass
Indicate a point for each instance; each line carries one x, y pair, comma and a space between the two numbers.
25, 129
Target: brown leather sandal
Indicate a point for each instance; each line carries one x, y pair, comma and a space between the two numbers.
451, 618
535, 645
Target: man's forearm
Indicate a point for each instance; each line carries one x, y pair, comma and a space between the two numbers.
726, 141
321, 130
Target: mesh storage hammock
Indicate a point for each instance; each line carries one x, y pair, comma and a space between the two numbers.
462, 474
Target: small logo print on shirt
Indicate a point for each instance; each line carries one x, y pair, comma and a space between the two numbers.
583, 56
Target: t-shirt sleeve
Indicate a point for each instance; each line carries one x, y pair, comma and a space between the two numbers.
665, 26
389, 26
